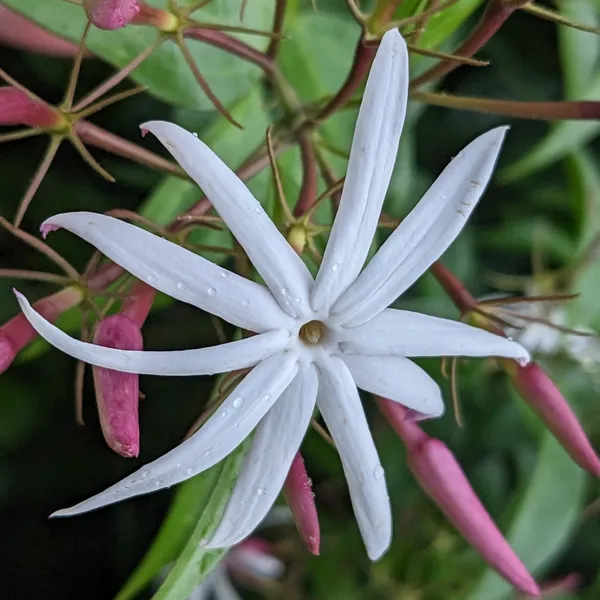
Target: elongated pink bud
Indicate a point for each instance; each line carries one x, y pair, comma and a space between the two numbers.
441, 477
18, 32
18, 332
111, 14
117, 393
301, 500
18, 108
540, 392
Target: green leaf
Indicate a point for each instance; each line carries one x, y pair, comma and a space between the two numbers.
196, 562
165, 72
191, 499
546, 517
579, 55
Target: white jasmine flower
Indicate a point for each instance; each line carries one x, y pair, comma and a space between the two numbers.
317, 340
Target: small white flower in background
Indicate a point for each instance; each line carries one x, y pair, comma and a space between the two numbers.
555, 334
317, 340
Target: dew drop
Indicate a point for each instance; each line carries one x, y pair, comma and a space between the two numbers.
182, 286
144, 474
288, 302
224, 414
158, 483
286, 292
208, 452
225, 275
444, 196
212, 291
298, 300
461, 154
245, 303
151, 279
335, 267
177, 465
195, 134
378, 472
258, 210
267, 397
190, 471
238, 402
262, 491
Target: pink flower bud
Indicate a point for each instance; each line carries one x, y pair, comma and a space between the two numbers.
18, 108
545, 398
117, 393
111, 14
300, 498
18, 332
18, 32
441, 477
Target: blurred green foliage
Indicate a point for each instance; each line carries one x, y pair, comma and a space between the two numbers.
546, 199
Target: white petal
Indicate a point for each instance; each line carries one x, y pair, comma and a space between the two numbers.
282, 269
176, 271
267, 464
343, 413
200, 361
224, 431
425, 234
405, 333
396, 378
372, 158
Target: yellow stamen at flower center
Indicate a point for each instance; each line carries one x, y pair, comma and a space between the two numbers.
312, 332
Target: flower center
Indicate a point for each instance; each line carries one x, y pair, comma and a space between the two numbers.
312, 332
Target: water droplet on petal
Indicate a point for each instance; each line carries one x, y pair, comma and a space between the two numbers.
262, 491
298, 300
144, 474
378, 472
151, 279
224, 414
245, 303
288, 302
177, 465
226, 275
195, 134
335, 267
444, 196
208, 452
190, 471
182, 286
286, 292
238, 402
258, 210
158, 483
267, 397
212, 291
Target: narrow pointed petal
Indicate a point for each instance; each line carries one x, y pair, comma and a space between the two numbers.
282, 269
224, 431
343, 413
396, 378
370, 167
176, 271
425, 234
200, 361
404, 333
267, 464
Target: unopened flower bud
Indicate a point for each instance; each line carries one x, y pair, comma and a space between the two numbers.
19, 108
300, 498
117, 393
18, 332
111, 14
297, 238
441, 477
540, 392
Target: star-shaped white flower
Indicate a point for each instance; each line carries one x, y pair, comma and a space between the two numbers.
317, 340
